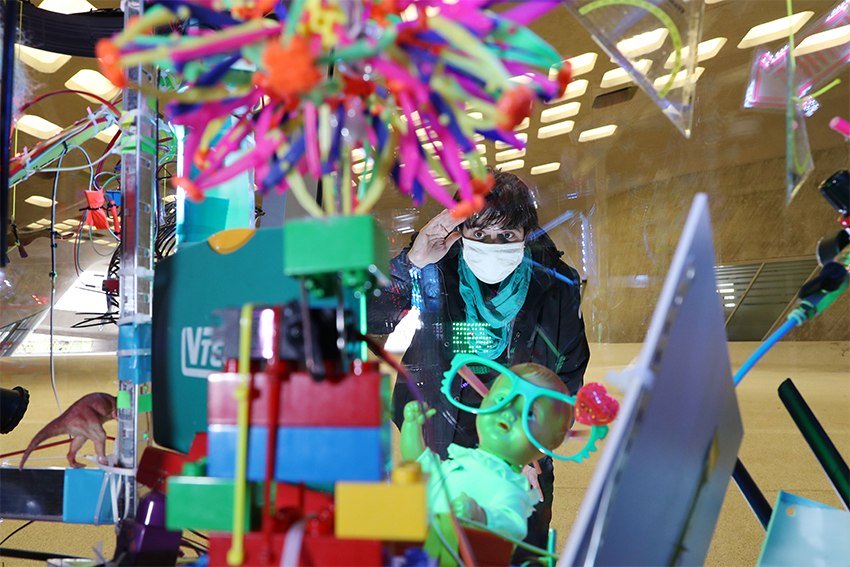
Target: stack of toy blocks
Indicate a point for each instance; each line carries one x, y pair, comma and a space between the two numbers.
332, 435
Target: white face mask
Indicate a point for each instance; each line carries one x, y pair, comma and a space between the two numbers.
492, 263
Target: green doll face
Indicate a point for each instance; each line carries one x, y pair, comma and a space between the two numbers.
501, 432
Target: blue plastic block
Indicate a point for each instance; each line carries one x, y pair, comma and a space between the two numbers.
80, 495
134, 352
305, 454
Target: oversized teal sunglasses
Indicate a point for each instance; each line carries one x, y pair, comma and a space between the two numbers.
529, 392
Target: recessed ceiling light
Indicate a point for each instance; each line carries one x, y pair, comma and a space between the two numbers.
510, 154
823, 40
442, 181
580, 64
546, 168
39, 201
91, 81
510, 165
523, 125
504, 145
169, 198
360, 167
775, 29
679, 81
713, 1
705, 50
107, 134
475, 115
43, 222
556, 129
643, 43
40, 60
74, 222
101, 241
560, 112
66, 6
482, 149
34, 226
597, 133
358, 154
522, 79
619, 76
574, 90
478, 137
37, 126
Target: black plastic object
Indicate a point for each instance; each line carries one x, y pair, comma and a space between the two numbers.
836, 190
752, 493
69, 34
823, 448
13, 406
32, 494
835, 248
7, 88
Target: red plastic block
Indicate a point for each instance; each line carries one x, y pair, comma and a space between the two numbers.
354, 400
318, 551
159, 464
305, 499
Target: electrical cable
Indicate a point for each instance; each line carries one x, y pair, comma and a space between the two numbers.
16, 530
763, 348
53, 278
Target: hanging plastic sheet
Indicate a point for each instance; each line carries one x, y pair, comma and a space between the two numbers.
821, 53
798, 156
805, 532
655, 43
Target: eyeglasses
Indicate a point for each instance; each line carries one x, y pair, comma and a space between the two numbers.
529, 392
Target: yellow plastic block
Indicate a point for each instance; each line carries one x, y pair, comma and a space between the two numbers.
230, 240
385, 511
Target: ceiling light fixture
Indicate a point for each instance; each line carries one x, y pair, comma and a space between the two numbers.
91, 81
107, 134
358, 154
823, 40
679, 81
556, 129
619, 76
43, 222
504, 145
34, 226
482, 149
580, 64
475, 115
510, 165
775, 29
574, 90
39, 201
74, 222
597, 133
705, 50
560, 112
522, 79
523, 125
41, 60
546, 168
37, 126
66, 6
510, 154
643, 43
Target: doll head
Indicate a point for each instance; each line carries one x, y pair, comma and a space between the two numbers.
503, 433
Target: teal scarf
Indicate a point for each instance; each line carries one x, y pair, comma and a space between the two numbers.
491, 320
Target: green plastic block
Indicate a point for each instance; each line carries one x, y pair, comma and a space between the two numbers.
353, 246
202, 503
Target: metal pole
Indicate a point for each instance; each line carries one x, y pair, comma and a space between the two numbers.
752, 494
827, 455
11, 12
138, 164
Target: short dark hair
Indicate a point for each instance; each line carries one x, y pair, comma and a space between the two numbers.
510, 205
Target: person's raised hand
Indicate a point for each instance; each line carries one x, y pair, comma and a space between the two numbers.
82, 421
435, 239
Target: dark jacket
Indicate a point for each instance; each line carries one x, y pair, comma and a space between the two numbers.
552, 311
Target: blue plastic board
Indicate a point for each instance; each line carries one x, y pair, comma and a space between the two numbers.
83, 488
805, 532
305, 454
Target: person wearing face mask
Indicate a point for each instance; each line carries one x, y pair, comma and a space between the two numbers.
494, 285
